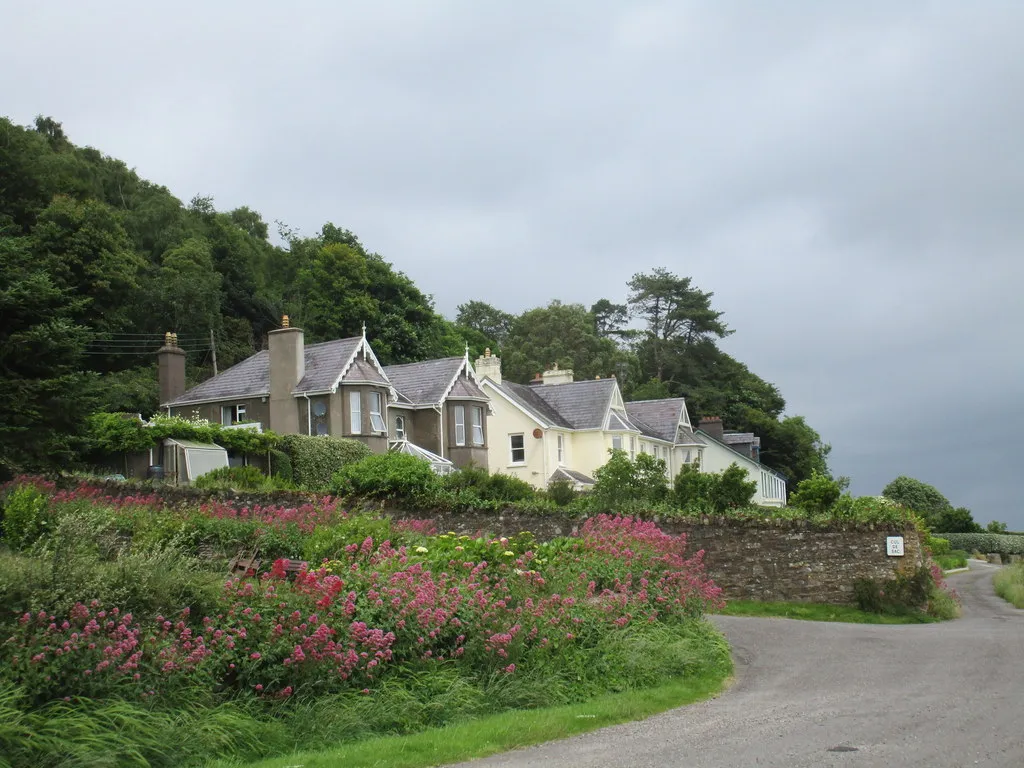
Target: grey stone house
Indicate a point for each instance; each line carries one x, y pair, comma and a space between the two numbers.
339, 388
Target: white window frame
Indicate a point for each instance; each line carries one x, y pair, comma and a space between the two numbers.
632, 448
560, 443
460, 424
399, 427
616, 442
657, 451
355, 412
376, 416
512, 448
232, 413
478, 425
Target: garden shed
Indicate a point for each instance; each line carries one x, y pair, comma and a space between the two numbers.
185, 460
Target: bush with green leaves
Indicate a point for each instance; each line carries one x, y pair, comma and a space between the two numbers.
234, 478
124, 432
25, 516
561, 492
497, 487
987, 543
904, 593
817, 494
281, 466
709, 492
629, 485
315, 459
387, 476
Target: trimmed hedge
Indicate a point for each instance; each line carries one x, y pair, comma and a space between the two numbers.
315, 459
126, 433
986, 543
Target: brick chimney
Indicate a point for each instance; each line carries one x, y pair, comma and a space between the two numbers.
556, 375
537, 380
287, 367
170, 366
712, 426
488, 366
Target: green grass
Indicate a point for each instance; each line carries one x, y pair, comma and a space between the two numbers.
507, 730
1009, 584
818, 612
951, 560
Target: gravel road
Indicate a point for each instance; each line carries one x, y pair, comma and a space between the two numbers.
828, 694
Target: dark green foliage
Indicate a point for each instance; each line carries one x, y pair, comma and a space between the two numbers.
817, 494
235, 478
124, 432
996, 526
935, 508
698, 491
487, 487
558, 333
624, 485
561, 492
281, 465
386, 476
25, 517
316, 459
904, 593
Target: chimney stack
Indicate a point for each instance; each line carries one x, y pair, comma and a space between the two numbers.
556, 375
170, 365
488, 366
287, 352
712, 427
537, 380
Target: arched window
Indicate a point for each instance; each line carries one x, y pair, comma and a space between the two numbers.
399, 427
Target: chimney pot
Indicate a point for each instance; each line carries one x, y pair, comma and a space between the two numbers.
285, 322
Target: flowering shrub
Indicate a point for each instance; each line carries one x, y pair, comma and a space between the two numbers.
489, 606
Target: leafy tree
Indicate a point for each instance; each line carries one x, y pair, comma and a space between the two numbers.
489, 321
959, 520
250, 222
817, 494
188, 288
609, 319
558, 333
995, 526
920, 497
42, 391
622, 483
678, 316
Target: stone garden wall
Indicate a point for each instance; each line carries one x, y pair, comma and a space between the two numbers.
760, 560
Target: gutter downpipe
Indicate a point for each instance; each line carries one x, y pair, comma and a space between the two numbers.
309, 414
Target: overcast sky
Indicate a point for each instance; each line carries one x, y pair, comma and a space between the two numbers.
848, 178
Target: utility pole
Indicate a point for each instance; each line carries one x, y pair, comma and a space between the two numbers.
213, 347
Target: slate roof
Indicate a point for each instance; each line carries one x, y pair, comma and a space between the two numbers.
425, 383
571, 475
466, 387
527, 397
324, 362
364, 370
251, 377
583, 404
659, 416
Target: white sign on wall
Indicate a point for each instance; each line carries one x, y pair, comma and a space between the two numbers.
894, 546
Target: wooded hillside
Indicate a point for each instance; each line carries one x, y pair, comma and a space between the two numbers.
97, 263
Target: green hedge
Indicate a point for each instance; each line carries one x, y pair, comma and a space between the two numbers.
315, 459
125, 433
986, 543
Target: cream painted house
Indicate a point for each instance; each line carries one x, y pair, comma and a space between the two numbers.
557, 428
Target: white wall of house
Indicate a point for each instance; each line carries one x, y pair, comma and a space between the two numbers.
717, 458
503, 422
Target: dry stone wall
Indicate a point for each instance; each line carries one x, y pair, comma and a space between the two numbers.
758, 560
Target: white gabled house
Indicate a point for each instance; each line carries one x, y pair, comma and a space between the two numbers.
557, 428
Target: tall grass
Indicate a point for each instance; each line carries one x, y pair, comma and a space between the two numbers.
1009, 584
